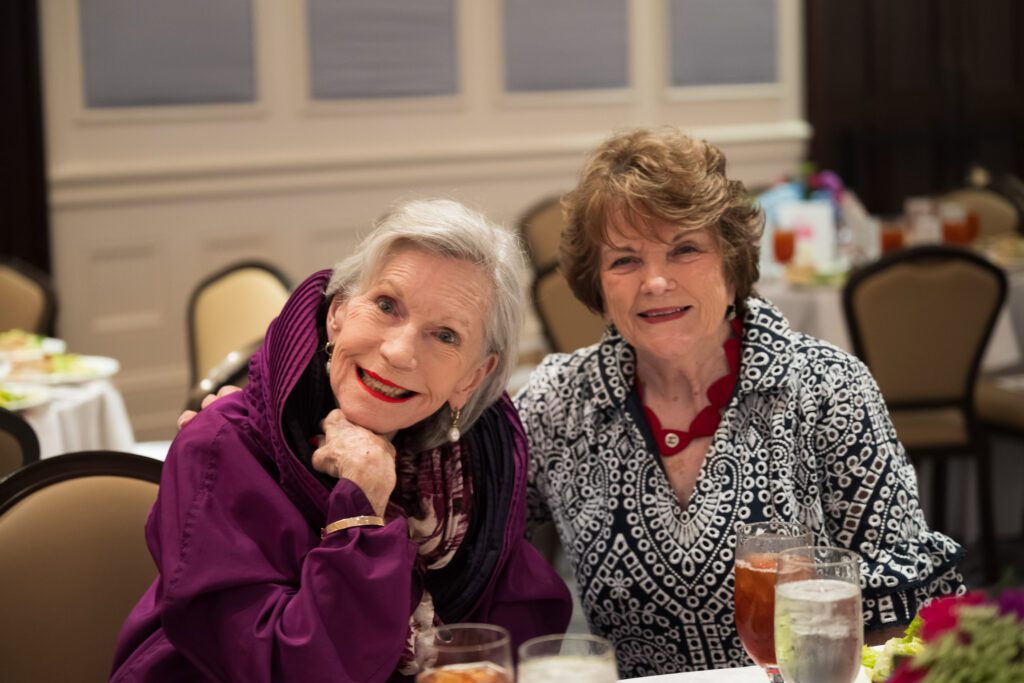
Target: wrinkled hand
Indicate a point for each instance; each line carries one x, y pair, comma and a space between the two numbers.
357, 454
187, 416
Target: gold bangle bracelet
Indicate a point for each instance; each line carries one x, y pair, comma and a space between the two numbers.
361, 520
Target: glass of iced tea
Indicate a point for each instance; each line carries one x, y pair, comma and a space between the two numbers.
569, 657
757, 550
783, 245
819, 629
468, 653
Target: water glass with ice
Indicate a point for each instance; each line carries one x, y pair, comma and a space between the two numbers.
819, 629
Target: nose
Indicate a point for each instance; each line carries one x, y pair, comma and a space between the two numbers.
655, 283
399, 348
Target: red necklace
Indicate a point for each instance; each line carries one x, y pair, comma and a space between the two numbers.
672, 441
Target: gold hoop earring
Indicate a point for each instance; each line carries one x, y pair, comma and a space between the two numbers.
453, 432
329, 350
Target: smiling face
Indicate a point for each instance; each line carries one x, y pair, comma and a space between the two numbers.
410, 341
665, 289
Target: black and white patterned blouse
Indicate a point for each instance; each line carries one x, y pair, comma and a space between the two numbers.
806, 437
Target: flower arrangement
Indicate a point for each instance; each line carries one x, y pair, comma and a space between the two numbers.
973, 637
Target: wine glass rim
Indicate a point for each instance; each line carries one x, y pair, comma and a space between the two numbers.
504, 637
567, 636
571, 637
843, 555
776, 523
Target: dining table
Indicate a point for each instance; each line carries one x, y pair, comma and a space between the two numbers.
817, 310
84, 416
747, 674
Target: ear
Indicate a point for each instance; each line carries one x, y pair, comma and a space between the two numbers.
335, 314
465, 389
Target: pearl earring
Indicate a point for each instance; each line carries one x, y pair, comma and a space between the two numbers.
329, 350
453, 432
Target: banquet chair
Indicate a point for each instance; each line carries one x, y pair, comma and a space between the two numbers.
920, 319
74, 562
19, 444
232, 370
997, 215
565, 322
30, 302
230, 309
541, 229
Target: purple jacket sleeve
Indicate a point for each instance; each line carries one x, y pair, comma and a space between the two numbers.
249, 591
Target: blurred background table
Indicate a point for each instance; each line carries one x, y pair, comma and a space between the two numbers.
79, 417
817, 310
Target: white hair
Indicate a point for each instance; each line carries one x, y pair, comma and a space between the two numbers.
447, 228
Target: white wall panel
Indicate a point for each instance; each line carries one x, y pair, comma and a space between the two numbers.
146, 201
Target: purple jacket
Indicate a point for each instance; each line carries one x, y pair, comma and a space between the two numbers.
247, 590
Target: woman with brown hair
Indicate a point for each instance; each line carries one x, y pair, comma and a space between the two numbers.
699, 409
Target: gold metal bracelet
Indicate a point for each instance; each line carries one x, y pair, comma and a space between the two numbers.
361, 520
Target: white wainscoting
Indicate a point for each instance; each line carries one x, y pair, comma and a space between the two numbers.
147, 201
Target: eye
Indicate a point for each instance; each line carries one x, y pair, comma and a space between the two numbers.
622, 261
685, 250
386, 305
447, 336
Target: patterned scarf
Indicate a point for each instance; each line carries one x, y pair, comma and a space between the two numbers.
433, 493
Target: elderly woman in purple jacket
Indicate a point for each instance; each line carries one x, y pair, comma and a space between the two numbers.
368, 483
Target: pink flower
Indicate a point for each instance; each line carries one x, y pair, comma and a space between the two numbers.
941, 615
905, 674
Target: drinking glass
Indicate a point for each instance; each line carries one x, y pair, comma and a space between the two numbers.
569, 657
757, 548
464, 653
893, 237
783, 245
955, 229
819, 629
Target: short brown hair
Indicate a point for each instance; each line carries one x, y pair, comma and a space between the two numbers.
662, 174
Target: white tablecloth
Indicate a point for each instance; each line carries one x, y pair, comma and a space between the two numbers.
80, 417
750, 674
818, 311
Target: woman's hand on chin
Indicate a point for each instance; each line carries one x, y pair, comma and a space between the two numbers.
359, 455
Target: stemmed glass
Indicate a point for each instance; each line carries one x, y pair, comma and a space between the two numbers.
479, 653
757, 549
819, 629
569, 657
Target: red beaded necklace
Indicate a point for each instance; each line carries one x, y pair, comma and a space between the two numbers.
672, 441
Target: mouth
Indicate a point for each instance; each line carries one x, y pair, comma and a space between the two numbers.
660, 313
378, 387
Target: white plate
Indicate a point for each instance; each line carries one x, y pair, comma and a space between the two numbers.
29, 395
88, 368
48, 346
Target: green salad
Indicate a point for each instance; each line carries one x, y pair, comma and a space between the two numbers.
9, 397
880, 664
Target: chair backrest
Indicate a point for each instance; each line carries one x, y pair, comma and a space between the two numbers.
567, 323
74, 562
231, 309
541, 229
233, 370
997, 215
19, 444
29, 301
921, 318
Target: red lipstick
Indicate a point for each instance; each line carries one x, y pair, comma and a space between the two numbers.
376, 394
